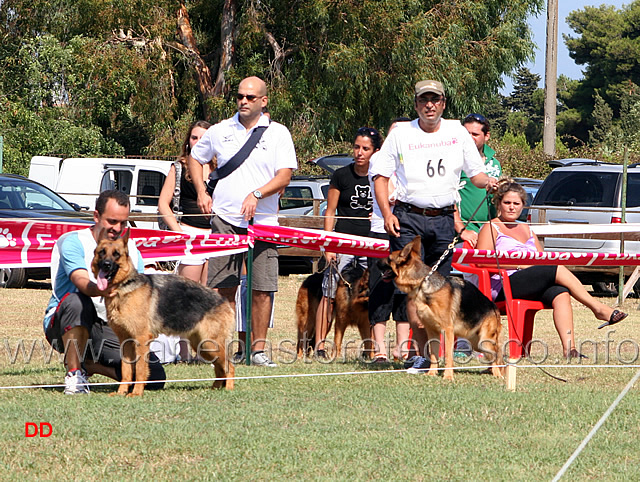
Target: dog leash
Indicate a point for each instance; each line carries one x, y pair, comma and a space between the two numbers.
334, 265
456, 238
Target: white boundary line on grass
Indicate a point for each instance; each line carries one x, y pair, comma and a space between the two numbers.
303, 375
596, 427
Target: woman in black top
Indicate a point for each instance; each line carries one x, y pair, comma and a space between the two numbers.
193, 221
350, 197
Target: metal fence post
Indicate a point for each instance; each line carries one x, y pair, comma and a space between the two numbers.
248, 345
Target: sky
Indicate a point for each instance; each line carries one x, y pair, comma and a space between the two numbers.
538, 25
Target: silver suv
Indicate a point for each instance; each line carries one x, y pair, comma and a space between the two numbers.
298, 196
585, 191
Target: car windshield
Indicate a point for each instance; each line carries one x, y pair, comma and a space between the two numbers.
18, 193
568, 188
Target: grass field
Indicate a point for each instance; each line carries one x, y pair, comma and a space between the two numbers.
377, 424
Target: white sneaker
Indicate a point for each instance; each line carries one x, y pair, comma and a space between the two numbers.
76, 382
260, 359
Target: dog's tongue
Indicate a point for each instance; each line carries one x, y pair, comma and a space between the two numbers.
102, 281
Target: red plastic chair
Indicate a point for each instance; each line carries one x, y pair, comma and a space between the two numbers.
520, 313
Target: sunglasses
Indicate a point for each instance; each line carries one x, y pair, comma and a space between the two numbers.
367, 132
434, 100
476, 117
250, 97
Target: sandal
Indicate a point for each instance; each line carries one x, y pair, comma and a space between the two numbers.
380, 358
616, 317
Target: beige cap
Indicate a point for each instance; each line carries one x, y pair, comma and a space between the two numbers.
425, 86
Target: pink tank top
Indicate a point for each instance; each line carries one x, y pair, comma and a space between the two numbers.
505, 242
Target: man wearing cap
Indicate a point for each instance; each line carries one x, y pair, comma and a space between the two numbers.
427, 154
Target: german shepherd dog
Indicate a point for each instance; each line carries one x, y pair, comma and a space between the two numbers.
449, 305
142, 306
351, 309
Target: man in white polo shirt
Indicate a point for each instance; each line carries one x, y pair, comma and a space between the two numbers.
427, 156
250, 191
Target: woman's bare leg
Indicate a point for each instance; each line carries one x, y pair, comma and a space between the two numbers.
566, 278
563, 319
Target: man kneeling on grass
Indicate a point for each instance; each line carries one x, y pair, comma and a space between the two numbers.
75, 320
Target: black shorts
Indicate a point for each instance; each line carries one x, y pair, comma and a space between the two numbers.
536, 283
384, 298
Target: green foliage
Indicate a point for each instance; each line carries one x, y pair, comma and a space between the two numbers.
608, 45
525, 106
115, 68
602, 120
524, 87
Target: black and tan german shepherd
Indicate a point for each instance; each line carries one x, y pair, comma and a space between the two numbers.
143, 306
446, 305
351, 309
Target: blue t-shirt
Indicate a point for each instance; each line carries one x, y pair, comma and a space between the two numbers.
72, 251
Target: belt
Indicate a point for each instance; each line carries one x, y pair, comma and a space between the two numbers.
428, 211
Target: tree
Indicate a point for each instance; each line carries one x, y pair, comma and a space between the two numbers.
522, 97
526, 105
138, 71
602, 120
608, 45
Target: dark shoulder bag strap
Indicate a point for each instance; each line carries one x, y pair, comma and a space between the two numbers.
239, 156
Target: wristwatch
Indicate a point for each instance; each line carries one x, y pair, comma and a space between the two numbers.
257, 194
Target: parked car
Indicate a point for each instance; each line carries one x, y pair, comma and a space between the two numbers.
586, 191
298, 196
531, 186
81, 180
333, 162
23, 198
296, 200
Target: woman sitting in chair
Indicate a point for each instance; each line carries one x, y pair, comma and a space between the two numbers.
553, 285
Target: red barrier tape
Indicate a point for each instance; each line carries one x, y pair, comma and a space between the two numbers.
30, 243
483, 256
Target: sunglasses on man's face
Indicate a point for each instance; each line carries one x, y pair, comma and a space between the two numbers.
476, 117
250, 97
435, 100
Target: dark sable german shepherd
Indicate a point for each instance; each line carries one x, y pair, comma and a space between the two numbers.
351, 308
145, 305
449, 305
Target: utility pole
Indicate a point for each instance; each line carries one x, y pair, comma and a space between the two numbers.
550, 78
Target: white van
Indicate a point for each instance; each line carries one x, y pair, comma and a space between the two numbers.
80, 180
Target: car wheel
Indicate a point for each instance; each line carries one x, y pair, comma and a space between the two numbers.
13, 277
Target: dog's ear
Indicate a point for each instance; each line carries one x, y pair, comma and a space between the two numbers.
414, 246
417, 246
125, 235
406, 252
